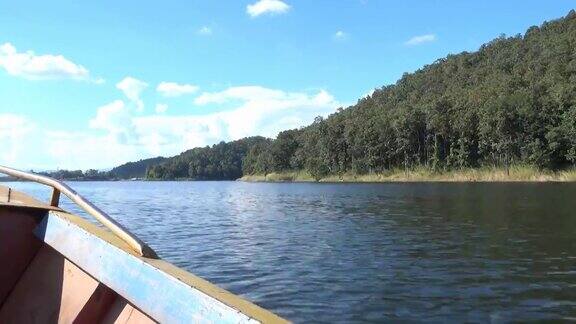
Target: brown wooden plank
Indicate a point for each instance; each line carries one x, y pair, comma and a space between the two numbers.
98, 306
14, 198
18, 245
52, 290
122, 312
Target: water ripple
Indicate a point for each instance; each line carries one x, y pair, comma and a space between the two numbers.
347, 253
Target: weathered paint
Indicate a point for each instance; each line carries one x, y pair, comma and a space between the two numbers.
165, 293
15, 198
92, 210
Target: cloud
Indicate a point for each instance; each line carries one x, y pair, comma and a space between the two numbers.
99, 81
417, 40
114, 118
258, 110
246, 93
205, 31
241, 111
117, 133
110, 117
272, 7
14, 126
132, 89
161, 108
82, 150
172, 89
30, 66
14, 130
340, 36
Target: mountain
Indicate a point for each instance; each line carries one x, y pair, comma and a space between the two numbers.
512, 102
135, 169
221, 161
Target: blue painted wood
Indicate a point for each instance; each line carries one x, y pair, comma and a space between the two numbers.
158, 294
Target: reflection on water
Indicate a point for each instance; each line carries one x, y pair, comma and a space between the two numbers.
363, 252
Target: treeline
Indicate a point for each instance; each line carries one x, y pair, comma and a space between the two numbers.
137, 169
511, 102
221, 161
79, 175
130, 170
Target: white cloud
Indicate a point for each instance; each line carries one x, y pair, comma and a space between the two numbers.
242, 93
14, 130
341, 36
110, 117
30, 66
205, 31
14, 126
242, 111
271, 7
161, 108
118, 134
114, 118
132, 89
173, 89
82, 150
263, 111
99, 81
417, 40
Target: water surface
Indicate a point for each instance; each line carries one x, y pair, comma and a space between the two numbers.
363, 252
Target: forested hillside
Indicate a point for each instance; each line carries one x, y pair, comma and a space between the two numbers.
221, 161
135, 169
511, 102
79, 175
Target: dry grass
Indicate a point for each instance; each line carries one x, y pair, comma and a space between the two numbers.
295, 176
484, 174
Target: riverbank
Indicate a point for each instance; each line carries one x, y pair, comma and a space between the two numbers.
485, 174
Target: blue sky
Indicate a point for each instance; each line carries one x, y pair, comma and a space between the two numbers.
94, 84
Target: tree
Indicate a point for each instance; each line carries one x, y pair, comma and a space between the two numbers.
511, 102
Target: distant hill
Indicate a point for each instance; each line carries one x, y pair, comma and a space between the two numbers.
135, 169
512, 102
221, 161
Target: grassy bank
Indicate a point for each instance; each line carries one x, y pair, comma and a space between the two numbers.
485, 174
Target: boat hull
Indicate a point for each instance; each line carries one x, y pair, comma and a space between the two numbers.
60, 268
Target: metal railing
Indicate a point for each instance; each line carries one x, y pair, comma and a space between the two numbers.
59, 187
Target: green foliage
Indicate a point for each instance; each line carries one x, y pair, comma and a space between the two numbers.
135, 169
513, 102
79, 175
221, 161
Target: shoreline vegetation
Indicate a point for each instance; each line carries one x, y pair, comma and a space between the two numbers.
510, 103
506, 112
486, 174
420, 174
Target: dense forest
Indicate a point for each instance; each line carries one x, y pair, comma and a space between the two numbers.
125, 171
135, 169
221, 161
511, 102
79, 175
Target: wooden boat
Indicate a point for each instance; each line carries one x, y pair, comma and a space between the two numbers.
60, 268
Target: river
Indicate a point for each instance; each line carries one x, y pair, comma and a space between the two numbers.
363, 252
